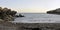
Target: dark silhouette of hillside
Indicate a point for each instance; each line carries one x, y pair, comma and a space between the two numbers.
56, 11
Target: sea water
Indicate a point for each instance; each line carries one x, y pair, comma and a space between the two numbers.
38, 18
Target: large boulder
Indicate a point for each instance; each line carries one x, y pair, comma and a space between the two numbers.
7, 14
56, 11
13, 13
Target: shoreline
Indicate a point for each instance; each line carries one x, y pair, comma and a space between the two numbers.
36, 21
25, 26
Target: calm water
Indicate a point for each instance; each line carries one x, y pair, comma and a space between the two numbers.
38, 18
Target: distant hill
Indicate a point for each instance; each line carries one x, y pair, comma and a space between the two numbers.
56, 11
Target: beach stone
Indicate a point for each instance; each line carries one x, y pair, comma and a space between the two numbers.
1, 20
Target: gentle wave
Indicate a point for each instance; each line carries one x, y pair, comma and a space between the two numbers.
38, 18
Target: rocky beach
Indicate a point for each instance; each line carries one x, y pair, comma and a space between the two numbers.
7, 16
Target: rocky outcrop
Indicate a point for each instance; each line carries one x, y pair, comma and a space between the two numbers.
6, 14
19, 15
56, 11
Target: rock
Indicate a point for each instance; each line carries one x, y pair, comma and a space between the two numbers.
6, 14
19, 15
13, 13
0, 8
56, 11
8, 18
1, 20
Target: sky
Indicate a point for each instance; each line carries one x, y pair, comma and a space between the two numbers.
30, 6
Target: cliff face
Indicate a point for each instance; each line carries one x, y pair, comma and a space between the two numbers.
56, 11
6, 14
